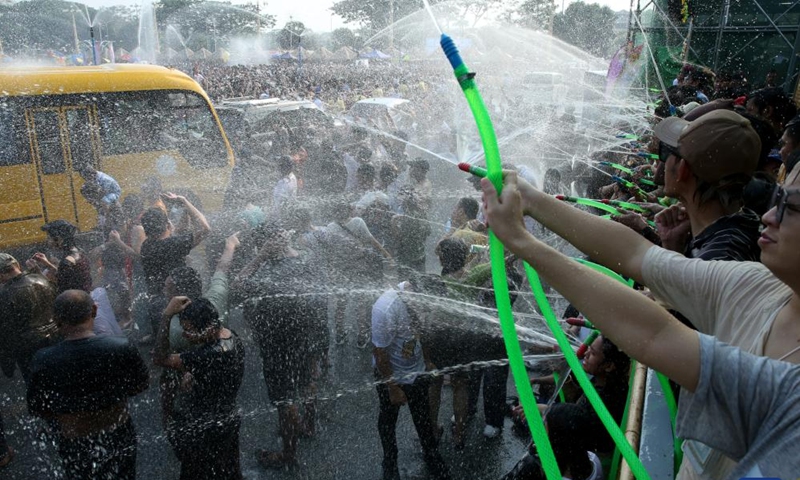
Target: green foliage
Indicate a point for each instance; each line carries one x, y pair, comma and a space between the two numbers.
291, 35
342, 37
375, 14
533, 14
203, 23
587, 26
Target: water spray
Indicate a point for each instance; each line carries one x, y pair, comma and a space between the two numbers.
466, 80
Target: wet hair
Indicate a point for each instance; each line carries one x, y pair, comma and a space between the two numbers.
154, 222
132, 206
421, 164
782, 105
73, 307
187, 282
758, 193
566, 427
113, 256
366, 170
298, 218
387, 174
469, 206
792, 130
765, 133
612, 355
201, 315
728, 191
453, 254
285, 165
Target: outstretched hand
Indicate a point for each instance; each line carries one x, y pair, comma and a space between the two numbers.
504, 213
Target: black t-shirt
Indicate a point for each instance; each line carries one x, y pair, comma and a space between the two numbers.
160, 257
217, 369
85, 375
74, 275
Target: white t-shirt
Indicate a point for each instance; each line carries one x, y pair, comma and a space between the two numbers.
351, 165
284, 191
736, 302
391, 330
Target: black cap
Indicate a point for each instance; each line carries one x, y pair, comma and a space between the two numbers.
60, 229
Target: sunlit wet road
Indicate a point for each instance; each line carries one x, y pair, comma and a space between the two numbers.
346, 445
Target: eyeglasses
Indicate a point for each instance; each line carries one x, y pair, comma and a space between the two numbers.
664, 152
779, 197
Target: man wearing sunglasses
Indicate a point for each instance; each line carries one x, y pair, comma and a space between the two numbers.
747, 304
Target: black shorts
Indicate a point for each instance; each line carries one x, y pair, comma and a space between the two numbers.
286, 331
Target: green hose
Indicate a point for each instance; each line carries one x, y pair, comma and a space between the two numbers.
497, 255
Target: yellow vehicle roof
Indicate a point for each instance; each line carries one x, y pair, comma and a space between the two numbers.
55, 80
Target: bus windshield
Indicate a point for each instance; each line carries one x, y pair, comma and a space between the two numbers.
136, 122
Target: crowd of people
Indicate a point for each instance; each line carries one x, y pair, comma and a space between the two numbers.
705, 227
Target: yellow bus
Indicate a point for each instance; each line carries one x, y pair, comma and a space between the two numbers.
129, 121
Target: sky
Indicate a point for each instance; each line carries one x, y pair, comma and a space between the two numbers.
316, 14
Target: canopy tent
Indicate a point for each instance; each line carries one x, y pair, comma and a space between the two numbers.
189, 53
323, 54
282, 56
374, 55
304, 53
345, 53
204, 54
222, 54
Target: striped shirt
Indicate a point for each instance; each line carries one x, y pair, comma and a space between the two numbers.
733, 237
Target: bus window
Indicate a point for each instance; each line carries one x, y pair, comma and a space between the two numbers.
13, 138
48, 136
137, 122
80, 138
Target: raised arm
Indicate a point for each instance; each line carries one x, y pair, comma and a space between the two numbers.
607, 243
200, 226
231, 244
639, 326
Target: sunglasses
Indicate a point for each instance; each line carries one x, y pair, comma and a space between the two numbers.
664, 152
779, 197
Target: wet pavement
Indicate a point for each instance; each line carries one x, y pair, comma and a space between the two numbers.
346, 445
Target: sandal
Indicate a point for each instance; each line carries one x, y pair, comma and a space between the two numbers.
273, 460
7, 457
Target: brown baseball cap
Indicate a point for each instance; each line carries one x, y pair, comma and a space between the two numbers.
6, 261
717, 144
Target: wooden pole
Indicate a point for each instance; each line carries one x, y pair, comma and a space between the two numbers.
633, 429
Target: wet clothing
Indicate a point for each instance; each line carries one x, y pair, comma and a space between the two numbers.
289, 323
737, 302
203, 427
746, 407
76, 274
392, 331
109, 455
733, 237
86, 375
408, 241
160, 257
417, 394
27, 305
217, 294
614, 397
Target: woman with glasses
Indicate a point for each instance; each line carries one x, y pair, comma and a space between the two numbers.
743, 405
754, 306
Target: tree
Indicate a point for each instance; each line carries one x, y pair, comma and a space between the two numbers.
587, 26
342, 37
533, 14
206, 22
291, 33
375, 14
